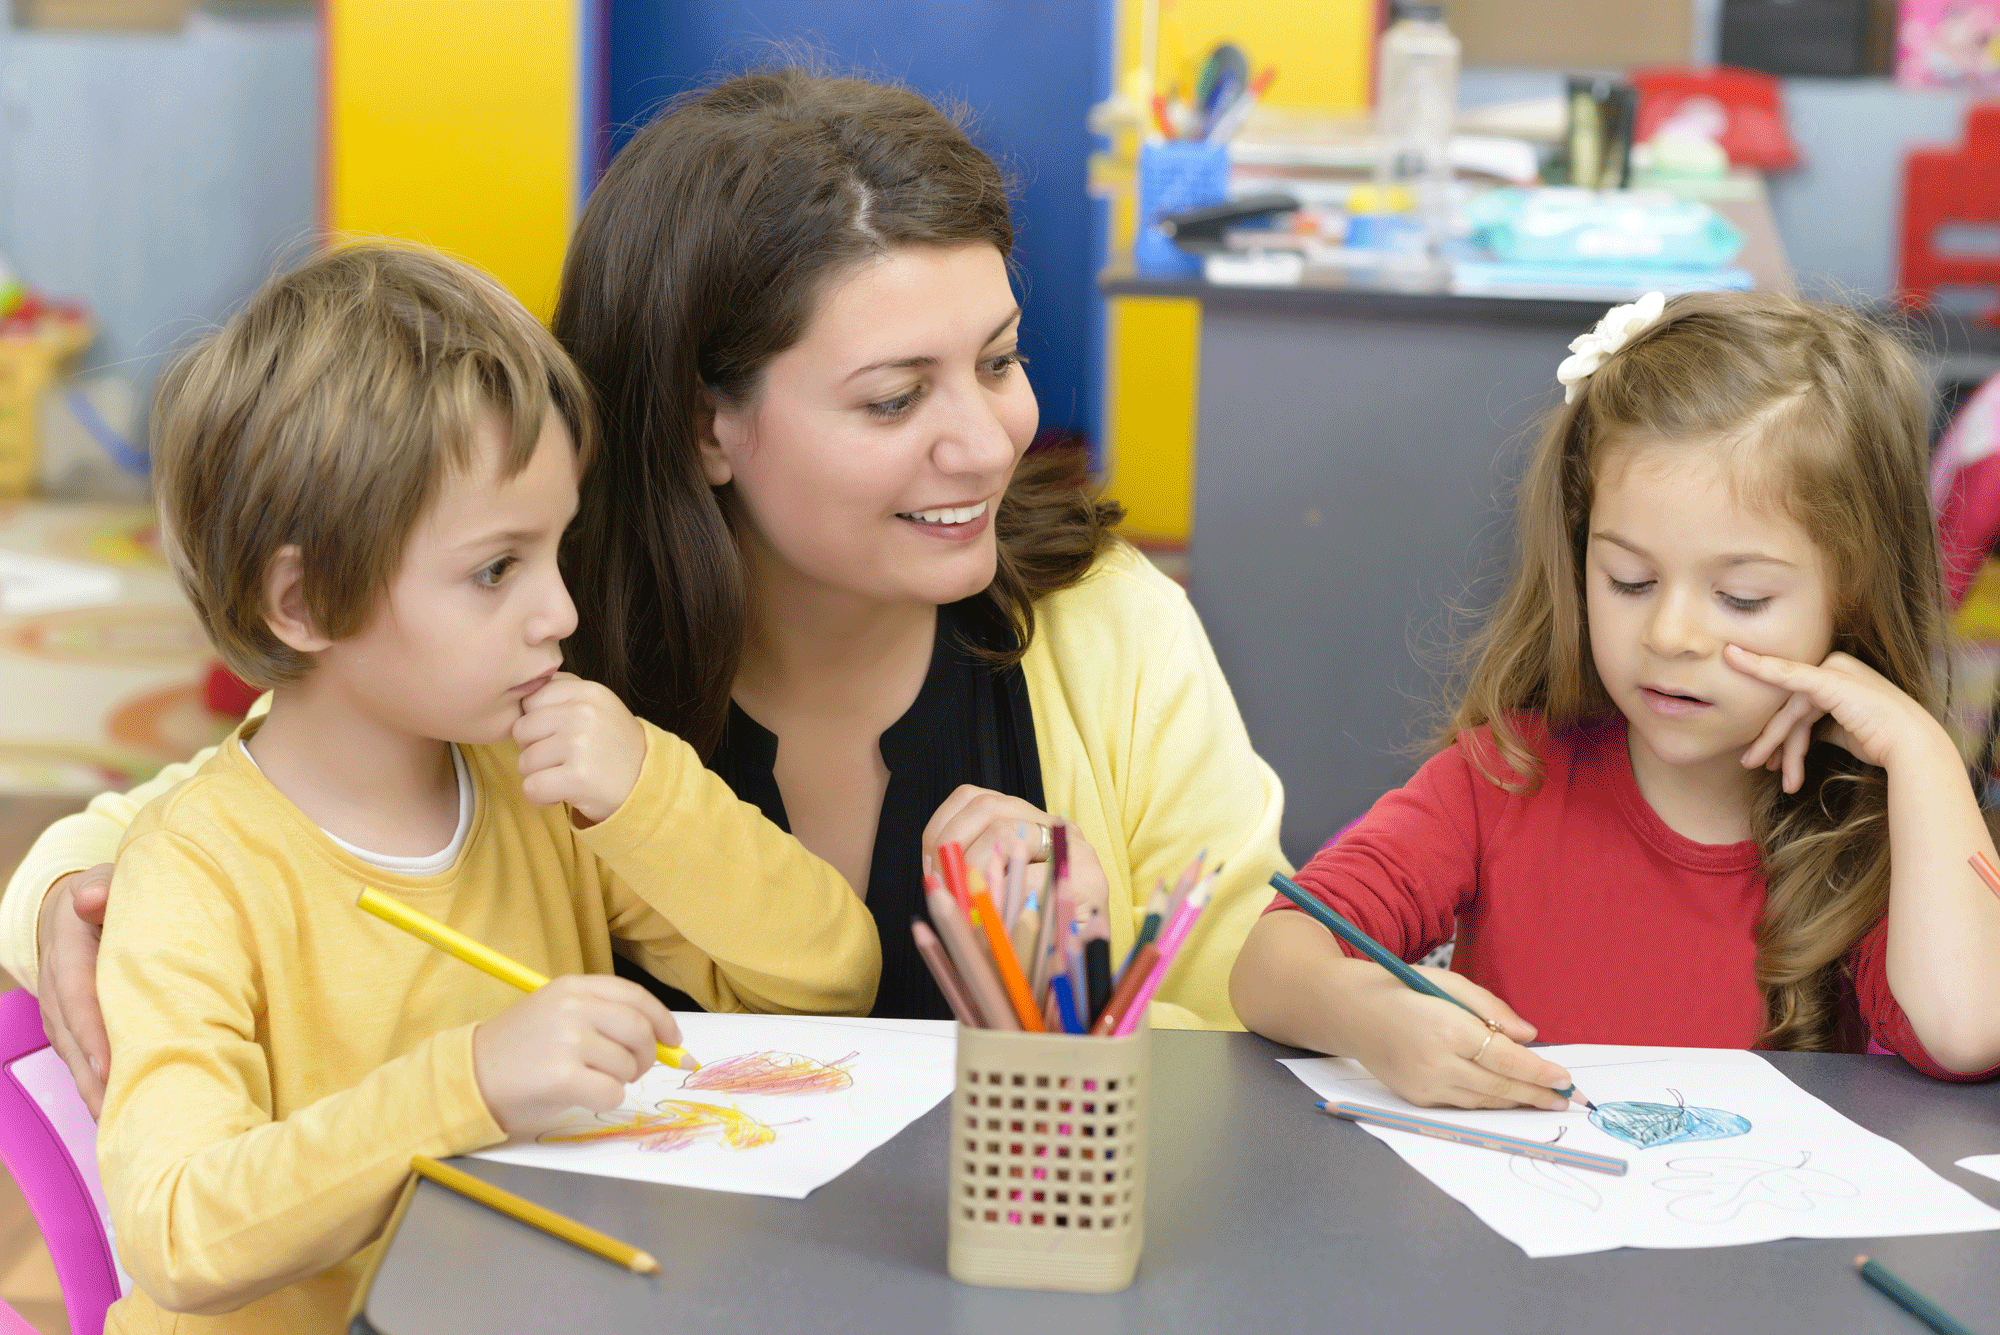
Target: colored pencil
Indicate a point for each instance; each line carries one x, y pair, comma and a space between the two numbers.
1374, 950
1171, 940
1016, 877
1129, 983
1918, 1306
1984, 866
956, 994
484, 958
1097, 973
1486, 1140
515, 1207
1189, 876
951, 861
959, 940
1010, 968
1066, 1011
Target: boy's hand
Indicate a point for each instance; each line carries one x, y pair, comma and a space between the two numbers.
1435, 1055
580, 745
575, 1042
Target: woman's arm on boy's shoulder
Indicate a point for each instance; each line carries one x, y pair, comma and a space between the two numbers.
74, 843
214, 1203
726, 906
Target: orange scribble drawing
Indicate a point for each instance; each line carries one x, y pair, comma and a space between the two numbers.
773, 1073
677, 1125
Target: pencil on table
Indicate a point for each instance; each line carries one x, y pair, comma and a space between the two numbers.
1465, 1135
1918, 1306
515, 1207
483, 958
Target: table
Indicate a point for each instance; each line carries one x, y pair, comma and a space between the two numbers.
1261, 1210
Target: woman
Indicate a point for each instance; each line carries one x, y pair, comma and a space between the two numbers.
815, 550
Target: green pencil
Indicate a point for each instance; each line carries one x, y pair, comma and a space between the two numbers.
1918, 1306
1377, 952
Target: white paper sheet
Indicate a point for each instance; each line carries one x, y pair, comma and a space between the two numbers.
31, 584
1799, 1170
866, 1080
1986, 1165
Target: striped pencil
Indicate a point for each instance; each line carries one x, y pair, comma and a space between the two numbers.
1984, 866
1486, 1140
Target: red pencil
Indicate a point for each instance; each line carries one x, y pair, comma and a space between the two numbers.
951, 861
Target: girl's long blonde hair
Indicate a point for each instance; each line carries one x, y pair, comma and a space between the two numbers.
1827, 416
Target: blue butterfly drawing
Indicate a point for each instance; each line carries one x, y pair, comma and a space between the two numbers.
1648, 1124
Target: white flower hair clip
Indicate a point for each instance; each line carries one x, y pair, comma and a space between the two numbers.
1620, 325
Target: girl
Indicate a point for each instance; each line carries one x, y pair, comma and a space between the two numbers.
1703, 715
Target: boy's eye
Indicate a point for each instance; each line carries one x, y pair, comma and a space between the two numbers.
1735, 604
1630, 590
491, 574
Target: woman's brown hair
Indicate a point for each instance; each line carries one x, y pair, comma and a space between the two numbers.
1825, 416
699, 258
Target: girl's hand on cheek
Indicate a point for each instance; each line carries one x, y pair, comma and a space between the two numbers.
1870, 717
580, 745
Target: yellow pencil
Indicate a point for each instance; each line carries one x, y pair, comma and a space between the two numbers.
507, 1203
483, 958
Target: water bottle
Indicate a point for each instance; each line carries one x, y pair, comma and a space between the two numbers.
1417, 104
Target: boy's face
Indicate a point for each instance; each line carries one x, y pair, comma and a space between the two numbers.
473, 622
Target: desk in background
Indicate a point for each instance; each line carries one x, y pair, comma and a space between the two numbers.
1261, 1213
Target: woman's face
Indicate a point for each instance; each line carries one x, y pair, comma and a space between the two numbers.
874, 456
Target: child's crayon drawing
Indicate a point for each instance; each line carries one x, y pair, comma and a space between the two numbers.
773, 1073
780, 1105
1650, 1124
676, 1125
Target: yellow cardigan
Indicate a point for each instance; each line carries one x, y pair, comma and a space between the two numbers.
1141, 745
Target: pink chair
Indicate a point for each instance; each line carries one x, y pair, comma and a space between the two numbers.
48, 1144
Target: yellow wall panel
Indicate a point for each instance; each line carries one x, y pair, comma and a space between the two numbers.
455, 123
1154, 346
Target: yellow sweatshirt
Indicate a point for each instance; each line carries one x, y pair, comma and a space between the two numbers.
280, 1054
1141, 744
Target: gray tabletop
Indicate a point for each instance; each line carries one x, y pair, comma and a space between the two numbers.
1259, 1207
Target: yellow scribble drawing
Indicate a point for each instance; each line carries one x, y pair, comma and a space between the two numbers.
773, 1073
677, 1125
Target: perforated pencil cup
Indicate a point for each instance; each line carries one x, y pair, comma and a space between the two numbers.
1048, 1160
1172, 179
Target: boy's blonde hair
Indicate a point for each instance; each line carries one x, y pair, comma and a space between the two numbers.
1824, 415
325, 415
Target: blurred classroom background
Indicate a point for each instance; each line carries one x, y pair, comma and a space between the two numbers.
1386, 224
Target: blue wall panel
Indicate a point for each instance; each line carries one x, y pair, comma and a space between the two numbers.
1027, 69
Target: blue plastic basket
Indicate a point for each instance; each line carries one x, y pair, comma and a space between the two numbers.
1173, 178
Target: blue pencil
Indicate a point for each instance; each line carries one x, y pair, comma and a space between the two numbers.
1059, 987
1375, 950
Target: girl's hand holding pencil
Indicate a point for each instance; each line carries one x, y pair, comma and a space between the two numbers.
1434, 1054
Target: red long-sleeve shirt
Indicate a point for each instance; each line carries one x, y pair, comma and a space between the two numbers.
1576, 904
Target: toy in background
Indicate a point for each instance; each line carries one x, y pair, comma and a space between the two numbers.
1951, 209
1949, 44
38, 339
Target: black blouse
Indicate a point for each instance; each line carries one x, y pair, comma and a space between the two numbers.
970, 723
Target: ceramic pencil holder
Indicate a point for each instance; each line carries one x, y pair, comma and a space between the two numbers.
1048, 1160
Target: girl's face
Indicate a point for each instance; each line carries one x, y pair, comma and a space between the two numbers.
1676, 567
876, 452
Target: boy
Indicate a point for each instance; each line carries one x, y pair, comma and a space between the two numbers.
363, 479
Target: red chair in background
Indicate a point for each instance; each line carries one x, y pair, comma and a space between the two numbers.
1953, 188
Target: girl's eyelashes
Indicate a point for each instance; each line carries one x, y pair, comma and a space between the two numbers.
1735, 604
1619, 586
489, 575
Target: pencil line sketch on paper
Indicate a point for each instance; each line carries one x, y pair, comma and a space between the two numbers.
1648, 1124
1717, 1190
677, 1125
1557, 1180
773, 1073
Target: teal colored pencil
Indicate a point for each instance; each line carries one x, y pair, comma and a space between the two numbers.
1918, 1306
1376, 951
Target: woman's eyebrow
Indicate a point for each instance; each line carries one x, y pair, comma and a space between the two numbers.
912, 363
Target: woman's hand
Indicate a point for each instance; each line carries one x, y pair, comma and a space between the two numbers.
979, 820
1872, 719
1434, 1055
71, 924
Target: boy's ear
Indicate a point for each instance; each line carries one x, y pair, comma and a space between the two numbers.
720, 431
285, 603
